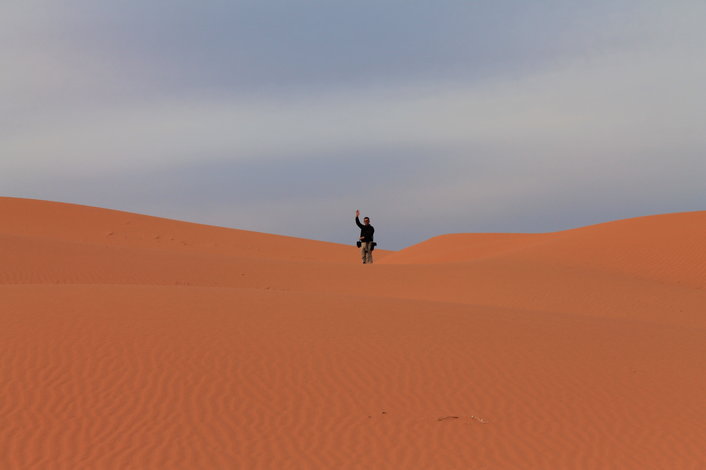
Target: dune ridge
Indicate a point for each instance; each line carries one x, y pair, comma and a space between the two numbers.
92, 225
664, 247
130, 341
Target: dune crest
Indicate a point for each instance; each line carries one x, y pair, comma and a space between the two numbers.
463, 247
665, 247
92, 225
129, 341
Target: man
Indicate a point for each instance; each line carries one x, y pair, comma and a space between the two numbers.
366, 238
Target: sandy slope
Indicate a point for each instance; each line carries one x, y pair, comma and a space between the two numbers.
129, 341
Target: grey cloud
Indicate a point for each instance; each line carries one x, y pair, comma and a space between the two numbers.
163, 47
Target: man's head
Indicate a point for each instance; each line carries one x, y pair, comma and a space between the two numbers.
366, 220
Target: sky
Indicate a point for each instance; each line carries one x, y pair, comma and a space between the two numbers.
287, 116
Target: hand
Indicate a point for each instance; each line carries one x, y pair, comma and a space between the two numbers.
357, 213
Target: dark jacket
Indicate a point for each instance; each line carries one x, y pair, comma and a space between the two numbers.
366, 231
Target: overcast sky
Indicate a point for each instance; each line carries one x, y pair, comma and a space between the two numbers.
285, 116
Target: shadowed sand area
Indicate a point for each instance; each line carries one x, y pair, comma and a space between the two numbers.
129, 341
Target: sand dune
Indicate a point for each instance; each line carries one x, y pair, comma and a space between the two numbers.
91, 225
665, 247
463, 247
130, 341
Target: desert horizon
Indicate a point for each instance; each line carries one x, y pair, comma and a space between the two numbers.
131, 341
188, 279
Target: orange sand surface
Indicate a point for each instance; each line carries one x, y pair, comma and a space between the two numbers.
135, 342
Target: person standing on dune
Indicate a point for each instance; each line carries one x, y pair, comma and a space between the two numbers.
366, 242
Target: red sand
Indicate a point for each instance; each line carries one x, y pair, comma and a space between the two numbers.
130, 341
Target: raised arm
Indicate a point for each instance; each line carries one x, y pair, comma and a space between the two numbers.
357, 220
